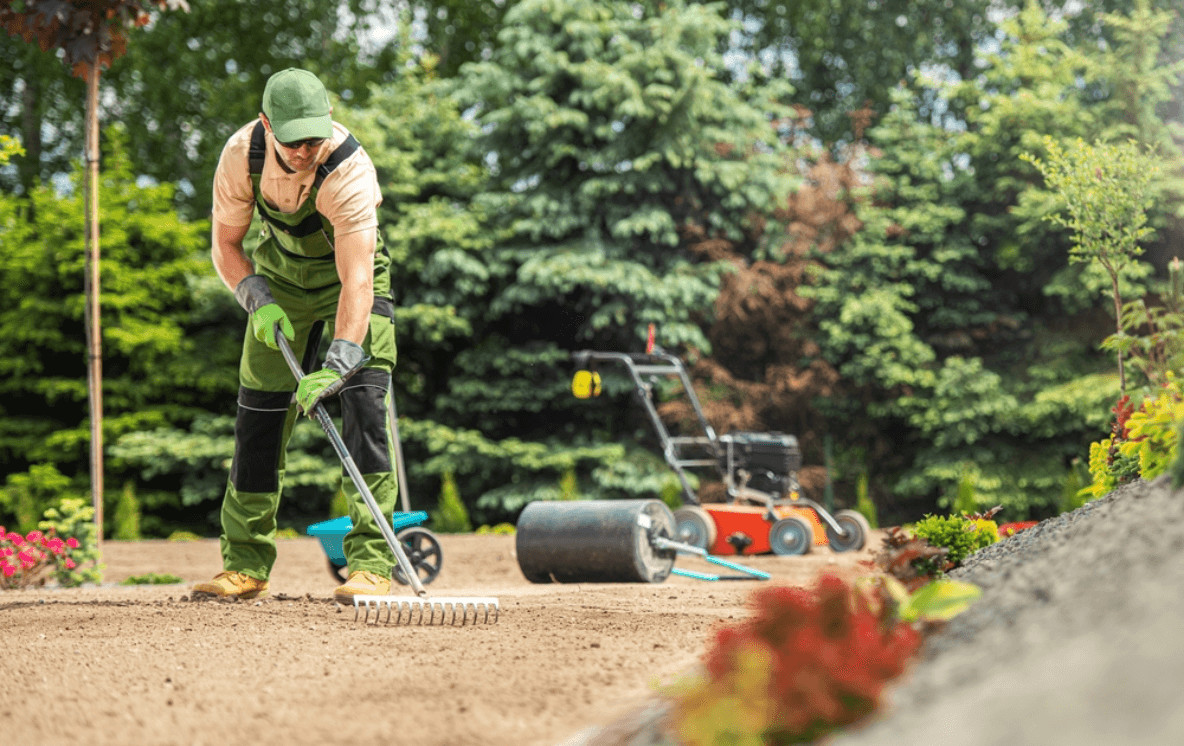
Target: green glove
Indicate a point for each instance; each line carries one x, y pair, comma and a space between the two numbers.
263, 321
316, 386
343, 360
254, 295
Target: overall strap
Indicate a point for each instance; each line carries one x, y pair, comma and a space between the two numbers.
257, 154
335, 159
312, 222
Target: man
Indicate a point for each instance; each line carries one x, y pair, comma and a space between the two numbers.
319, 262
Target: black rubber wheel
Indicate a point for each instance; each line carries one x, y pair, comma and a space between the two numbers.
855, 532
791, 536
423, 549
694, 526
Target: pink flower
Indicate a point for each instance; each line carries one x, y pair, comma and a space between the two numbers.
56, 545
27, 556
15, 538
8, 570
72, 542
70, 564
33, 536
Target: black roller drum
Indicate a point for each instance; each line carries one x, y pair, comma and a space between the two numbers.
594, 541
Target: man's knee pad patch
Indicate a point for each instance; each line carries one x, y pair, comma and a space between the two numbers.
364, 422
258, 439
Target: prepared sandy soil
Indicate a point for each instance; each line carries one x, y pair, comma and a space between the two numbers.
145, 665
1075, 640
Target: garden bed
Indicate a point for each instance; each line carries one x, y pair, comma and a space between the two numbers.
1074, 640
143, 664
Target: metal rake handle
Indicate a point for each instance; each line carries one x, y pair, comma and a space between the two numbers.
326, 422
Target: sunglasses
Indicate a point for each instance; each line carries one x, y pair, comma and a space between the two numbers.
312, 142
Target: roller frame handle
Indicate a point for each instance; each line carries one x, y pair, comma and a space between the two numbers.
663, 543
326, 422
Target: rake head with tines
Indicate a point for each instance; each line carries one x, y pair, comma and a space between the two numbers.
421, 607
440, 610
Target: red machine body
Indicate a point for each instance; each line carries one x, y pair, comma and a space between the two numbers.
752, 521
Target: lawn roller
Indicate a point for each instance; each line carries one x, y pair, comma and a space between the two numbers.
607, 541
420, 544
765, 510
399, 609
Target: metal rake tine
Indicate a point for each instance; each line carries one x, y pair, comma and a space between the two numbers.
428, 611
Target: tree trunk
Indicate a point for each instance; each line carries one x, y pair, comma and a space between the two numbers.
29, 167
1118, 332
94, 345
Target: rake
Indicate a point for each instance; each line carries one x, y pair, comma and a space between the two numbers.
421, 608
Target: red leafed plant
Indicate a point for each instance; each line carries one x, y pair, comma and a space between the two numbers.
1013, 528
807, 662
910, 559
1122, 410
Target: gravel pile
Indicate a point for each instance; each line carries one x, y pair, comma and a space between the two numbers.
1075, 640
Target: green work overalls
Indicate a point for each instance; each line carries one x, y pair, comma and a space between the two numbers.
296, 256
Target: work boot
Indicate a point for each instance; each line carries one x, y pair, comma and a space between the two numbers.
229, 584
361, 583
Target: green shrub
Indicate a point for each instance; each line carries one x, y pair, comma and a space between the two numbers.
181, 535
502, 528
339, 506
152, 578
26, 496
127, 515
569, 486
1072, 493
863, 502
451, 516
964, 501
960, 534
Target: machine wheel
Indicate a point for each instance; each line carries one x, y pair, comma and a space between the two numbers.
423, 550
855, 531
791, 535
694, 526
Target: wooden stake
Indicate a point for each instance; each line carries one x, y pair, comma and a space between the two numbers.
94, 343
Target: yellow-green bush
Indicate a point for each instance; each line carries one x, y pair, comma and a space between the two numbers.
1152, 432
962, 535
1144, 441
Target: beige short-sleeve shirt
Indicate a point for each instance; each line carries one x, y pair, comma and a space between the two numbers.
348, 198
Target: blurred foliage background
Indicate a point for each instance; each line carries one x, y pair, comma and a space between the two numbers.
822, 206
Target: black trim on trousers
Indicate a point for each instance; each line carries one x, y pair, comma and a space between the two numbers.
258, 439
364, 423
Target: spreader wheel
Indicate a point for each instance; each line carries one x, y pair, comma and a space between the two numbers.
791, 535
423, 549
855, 531
694, 526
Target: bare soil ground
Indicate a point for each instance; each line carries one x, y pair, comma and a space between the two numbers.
119, 664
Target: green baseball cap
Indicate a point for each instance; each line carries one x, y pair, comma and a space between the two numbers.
297, 106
